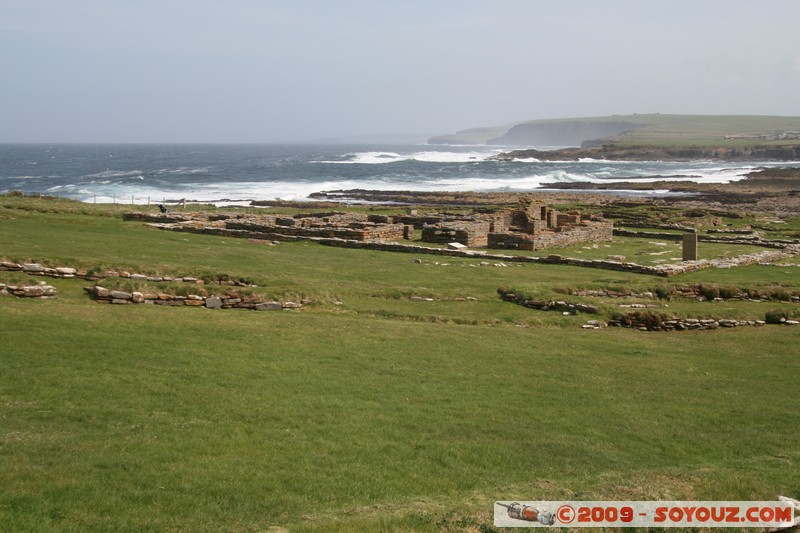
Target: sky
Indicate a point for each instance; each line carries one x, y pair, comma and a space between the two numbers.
269, 71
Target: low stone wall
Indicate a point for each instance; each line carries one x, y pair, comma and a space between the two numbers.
694, 292
37, 269
753, 240
546, 305
649, 234
41, 290
685, 324
227, 301
766, 256
360, 231
664, 270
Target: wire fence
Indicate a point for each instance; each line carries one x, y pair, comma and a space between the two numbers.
99, 198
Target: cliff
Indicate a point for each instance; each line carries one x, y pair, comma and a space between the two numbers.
562, 132
636, 130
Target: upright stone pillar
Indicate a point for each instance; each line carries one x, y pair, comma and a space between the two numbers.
690, 246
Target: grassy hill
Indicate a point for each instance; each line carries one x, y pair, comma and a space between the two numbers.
652, 130
367, 409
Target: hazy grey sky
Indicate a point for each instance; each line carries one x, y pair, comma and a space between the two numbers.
262, 71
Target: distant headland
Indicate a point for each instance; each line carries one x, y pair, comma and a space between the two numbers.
644, 137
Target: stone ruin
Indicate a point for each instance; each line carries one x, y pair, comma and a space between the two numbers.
351, 226
469, 232
532, 226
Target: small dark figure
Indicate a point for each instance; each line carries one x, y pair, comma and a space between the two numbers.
163, 209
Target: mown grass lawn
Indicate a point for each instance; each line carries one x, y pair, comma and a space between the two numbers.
379, 413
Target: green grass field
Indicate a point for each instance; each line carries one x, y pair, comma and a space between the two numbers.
366, 410
706, 130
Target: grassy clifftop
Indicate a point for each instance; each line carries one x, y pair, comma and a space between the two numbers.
653, 130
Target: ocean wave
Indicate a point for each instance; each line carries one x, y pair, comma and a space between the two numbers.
183, 171
380, 158
127, 191
115, 174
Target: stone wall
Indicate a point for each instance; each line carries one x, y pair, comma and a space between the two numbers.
42, 290
226, 301
545, 305
587, 232
326, 228
754, 240
471, 234
37, 269
685, 324
507, 240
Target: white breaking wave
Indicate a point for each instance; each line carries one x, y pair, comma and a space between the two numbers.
182, 171
133, 192
380, 158
115, 174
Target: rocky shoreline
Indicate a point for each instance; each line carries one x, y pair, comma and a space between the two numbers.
614, 152
770, 190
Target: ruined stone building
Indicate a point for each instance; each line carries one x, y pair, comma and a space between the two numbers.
532, 226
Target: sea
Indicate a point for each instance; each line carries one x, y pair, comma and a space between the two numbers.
235, 174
